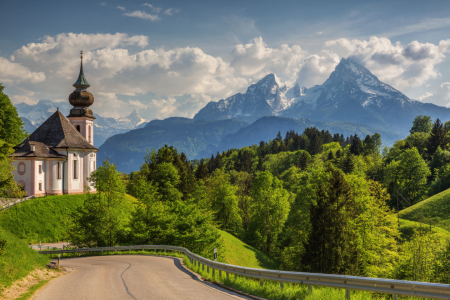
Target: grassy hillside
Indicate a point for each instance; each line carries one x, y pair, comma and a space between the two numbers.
45, 219
240, 254
17, 260
435, 209
407, 228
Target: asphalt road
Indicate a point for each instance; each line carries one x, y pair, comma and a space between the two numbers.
130, 277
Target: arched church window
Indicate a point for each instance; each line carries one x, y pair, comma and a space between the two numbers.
89, 129
78, 128
40, 185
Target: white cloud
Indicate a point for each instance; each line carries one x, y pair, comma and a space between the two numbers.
255, 60
11, 72
171, 11
400, 66
178, 82
317, 68
142, 15
441, 97
103, 4
121, 8
155, 9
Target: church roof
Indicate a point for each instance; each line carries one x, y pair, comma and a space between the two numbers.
57, 132
40, 150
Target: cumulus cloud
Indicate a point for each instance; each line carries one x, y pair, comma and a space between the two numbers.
441, 97
11, 72
121, 8
399, 66
317, 68
178, 82
142, 15
256, 59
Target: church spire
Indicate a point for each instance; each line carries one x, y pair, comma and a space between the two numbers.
81, 82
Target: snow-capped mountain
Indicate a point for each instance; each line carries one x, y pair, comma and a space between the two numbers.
264, 98
35, 115
351, 93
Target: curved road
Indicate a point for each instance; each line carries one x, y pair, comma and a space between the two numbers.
130, 277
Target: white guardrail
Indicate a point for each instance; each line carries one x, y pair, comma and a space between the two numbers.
379, 285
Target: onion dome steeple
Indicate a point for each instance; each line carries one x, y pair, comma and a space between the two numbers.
81, 81
81, 98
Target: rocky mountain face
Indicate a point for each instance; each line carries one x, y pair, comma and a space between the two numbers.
34, 115
351, 94
264, 98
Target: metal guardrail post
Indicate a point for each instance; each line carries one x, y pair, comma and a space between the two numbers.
213, 273
282, 284
347, 294
310, 288
394, 297
228, 275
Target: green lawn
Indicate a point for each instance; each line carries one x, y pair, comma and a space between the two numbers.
45, 219
238, 253
17, 260
435, 209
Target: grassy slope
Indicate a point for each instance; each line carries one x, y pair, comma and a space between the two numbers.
435, 209
46, 219
407, 227
240, 254
17, 260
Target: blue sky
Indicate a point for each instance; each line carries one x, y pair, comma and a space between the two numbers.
169, 58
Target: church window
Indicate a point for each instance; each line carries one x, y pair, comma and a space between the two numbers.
75, 169
40, 185
40, 169
59, 170
78, 128
89, 130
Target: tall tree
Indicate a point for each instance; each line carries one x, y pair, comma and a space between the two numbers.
269, 210
96, 223
438, 138
329, 244
421, 124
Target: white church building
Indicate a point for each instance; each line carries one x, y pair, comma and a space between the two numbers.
59, 156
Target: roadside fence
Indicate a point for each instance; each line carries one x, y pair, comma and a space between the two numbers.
379, 285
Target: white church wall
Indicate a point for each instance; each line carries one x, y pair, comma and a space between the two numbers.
39, 185
22, 174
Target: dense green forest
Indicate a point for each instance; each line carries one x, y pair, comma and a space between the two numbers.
315, 201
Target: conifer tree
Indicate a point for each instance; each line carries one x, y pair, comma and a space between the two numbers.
330, 155
347, 164
438, 138
356, 146
201, 172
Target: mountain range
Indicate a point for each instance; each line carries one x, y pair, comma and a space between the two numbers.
351, 93
35, 115
351, 101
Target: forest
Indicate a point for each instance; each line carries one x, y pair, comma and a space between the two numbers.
314, 201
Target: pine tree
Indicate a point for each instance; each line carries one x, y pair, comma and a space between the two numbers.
356, 146
347, 164
438, 138
328, 248
330, 155
201, 172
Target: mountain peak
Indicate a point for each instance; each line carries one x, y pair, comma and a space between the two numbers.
268, 85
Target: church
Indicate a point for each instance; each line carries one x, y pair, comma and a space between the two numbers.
59, 156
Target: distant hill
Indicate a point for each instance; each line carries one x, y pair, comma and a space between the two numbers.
266, 128
127, 150
435, 209
351, 94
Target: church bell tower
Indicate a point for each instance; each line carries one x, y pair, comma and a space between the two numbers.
81, 116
